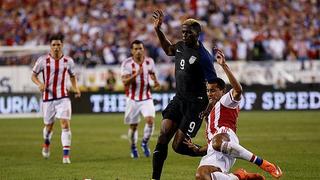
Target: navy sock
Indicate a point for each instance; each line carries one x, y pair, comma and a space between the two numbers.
258, 161
47, 142
66, 152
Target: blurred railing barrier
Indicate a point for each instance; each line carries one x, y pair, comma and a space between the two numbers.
15, 79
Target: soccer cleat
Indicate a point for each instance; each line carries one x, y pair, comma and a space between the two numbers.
45, 151
134, 152
66, 160
244, 175
145, 149
274, 170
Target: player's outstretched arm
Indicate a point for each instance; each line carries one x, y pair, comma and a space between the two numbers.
75, 87
237, 89
166, 45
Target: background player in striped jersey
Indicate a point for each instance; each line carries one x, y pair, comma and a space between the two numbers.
223, 144
135, 73
56, 104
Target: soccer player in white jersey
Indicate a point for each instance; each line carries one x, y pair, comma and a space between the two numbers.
56, 104
135, 74
223, 144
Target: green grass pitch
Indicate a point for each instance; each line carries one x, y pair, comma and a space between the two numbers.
100, 150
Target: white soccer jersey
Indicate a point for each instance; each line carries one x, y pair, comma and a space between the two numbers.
140, 89
54, 75
225, 113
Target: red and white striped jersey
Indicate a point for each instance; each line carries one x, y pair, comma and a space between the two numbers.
225, 113
140, 89
54, 75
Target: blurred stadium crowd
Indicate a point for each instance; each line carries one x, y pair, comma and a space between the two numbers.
100, 32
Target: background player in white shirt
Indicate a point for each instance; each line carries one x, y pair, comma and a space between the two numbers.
135, 74
223, 144
56, 103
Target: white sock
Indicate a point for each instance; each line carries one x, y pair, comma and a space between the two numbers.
147, 132
236, 150
66, 141
133, 136
47, 135
223, 176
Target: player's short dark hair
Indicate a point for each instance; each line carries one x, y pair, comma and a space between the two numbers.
136, 42
193, 24
58, 36
220, 82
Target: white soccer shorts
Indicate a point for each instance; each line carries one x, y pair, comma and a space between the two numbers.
135, 108
60, 109
218, 159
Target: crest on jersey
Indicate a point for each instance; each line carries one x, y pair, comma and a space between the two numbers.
192, 59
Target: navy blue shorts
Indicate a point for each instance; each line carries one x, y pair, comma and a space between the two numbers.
185, 114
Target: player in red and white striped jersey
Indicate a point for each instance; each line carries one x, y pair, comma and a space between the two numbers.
136, 72
223, 144
54, 75
56, 104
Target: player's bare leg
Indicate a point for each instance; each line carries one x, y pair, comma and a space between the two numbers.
133, 139
147, 132
65, 140
47, 135
167, 130
220, 143
204, 172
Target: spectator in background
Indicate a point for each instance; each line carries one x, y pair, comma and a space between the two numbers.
301, 45
108, 56
90, 23
276, 46
242, 50
111, 80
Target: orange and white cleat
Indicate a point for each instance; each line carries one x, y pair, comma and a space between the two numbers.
244, 175
274, 170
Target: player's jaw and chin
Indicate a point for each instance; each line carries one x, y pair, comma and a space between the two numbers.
189, 41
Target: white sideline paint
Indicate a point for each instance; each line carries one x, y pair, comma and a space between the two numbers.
20, 115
